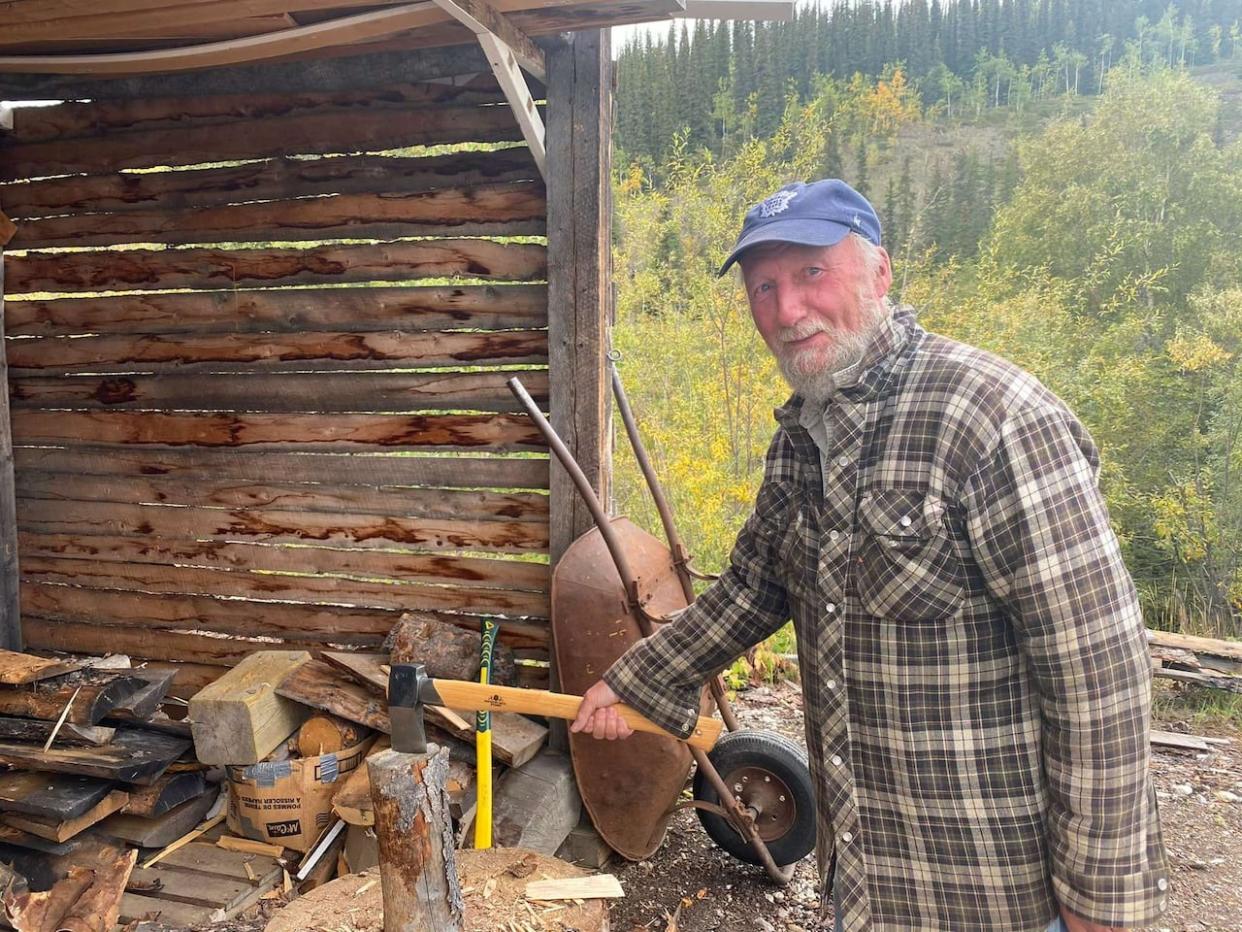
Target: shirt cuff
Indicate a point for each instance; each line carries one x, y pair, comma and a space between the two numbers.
1125, 900
634, 678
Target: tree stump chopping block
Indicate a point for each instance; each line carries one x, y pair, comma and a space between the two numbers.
415, 831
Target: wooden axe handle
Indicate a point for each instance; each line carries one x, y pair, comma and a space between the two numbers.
475, 697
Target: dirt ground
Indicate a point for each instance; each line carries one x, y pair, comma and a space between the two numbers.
696, 886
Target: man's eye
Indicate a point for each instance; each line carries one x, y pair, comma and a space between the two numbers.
763, 288
814, 271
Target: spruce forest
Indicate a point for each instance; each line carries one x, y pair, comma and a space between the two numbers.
1060, 182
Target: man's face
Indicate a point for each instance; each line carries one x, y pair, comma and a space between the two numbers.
816, 307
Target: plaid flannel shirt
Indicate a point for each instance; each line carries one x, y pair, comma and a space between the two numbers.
974, 667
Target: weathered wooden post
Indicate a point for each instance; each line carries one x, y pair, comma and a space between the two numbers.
415, 832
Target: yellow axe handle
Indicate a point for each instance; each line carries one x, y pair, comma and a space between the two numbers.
475, 697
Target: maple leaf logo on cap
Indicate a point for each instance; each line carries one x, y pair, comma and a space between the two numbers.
776, 204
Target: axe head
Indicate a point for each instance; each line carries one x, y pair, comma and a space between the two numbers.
409, 689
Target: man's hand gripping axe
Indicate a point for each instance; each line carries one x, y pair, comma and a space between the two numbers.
410, 689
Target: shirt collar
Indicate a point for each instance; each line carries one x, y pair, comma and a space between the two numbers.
870, 377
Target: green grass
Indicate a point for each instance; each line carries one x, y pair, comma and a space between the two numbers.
1202, 708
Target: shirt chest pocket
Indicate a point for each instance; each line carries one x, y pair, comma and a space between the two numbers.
906, 567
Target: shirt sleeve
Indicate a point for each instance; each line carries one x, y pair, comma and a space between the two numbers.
1040, 532
662, 676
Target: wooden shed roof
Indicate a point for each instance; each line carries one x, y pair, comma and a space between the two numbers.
114, 37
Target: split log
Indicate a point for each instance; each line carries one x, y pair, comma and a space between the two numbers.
448, 652
352, 802
319, 686
414, 827
29, 729
326, 734
134, 756
97, 693
240, 718
59, 796
87, 900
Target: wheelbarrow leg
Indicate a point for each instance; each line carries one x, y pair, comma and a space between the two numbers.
741, 820
736, 814
681, 559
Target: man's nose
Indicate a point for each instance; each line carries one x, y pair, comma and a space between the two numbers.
789, 309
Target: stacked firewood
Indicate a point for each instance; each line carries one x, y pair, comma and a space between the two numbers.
92, 768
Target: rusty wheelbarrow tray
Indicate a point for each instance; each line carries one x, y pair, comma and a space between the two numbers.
613, 586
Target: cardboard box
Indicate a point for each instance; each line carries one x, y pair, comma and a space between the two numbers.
289, 802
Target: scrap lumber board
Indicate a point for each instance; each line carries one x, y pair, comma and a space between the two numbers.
197, 880
515, 738
161, 830
17, 669
34, 729
168, 792
134, 756
52, 795
240, 718
323, 687
1171, 739
94, 693
60, 830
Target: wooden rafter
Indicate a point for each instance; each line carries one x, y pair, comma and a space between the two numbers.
345, 29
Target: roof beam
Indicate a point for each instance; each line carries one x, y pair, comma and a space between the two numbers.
771, 10
344, 29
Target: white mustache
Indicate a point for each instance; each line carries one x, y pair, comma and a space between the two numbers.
804, 329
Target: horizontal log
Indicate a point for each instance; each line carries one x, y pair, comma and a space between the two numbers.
273, 352
81, 637
380, 566
88, 695
498, 432
289, 391
466, 471
283, 620
73, 119
287, 310
269, 525
324, 130
218, 268
320, 74
141, 577
391, 501
512, 209
268, 180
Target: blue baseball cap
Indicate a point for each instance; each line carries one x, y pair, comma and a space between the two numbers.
821, 213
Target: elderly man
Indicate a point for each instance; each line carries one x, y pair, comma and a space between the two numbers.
974, 667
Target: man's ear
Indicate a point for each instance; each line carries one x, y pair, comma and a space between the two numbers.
883, 274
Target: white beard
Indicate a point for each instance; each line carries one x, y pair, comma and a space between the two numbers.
812, 373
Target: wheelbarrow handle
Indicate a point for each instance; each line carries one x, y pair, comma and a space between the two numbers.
475, 697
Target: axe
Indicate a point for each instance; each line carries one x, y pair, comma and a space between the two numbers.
410, 688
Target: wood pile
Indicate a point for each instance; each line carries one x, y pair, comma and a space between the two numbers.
1198, 661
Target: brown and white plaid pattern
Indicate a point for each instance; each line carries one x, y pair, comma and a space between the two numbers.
974, 666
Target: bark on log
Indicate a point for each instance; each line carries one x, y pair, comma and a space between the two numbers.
415, 831
449, 652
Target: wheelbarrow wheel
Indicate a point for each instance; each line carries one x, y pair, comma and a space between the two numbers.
768, 774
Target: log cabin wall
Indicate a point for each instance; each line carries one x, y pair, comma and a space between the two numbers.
260, 401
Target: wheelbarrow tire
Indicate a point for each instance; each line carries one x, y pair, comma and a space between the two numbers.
749, 754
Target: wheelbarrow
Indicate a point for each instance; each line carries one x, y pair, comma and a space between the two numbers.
613, 586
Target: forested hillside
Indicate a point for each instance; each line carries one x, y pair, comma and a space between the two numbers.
1092, 238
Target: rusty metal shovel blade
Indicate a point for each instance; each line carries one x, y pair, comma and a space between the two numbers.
629, 787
